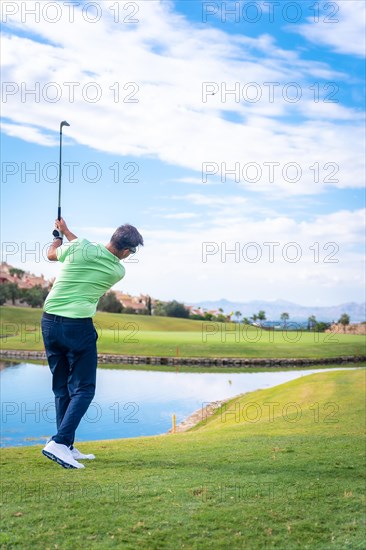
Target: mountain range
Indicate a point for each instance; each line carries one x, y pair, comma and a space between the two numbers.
273, 310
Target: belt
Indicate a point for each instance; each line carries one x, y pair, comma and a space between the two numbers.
60, 318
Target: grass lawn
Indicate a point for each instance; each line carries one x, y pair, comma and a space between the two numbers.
277, 468
166, 336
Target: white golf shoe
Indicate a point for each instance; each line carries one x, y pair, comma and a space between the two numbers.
77, 455
61, 454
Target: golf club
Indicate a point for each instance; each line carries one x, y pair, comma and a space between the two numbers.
56, 232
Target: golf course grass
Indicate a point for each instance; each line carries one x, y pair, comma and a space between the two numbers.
277, 468
169, 337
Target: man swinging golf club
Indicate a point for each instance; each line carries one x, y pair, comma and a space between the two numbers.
69, 336
89, 270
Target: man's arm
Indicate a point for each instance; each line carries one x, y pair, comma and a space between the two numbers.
51, 252
61, 226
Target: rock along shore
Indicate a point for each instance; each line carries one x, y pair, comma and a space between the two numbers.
234, 362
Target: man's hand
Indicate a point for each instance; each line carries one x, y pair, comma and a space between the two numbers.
61, 226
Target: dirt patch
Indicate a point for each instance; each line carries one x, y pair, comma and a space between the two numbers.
357, 328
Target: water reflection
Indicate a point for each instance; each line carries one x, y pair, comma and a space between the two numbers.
127, 403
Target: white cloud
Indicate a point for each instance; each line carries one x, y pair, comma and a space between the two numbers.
217, 260
164, 61
341, 26
328, 262
195, 181
206, 200
28, 133
180, 216
167, 63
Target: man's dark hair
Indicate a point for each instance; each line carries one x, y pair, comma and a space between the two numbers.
126, 236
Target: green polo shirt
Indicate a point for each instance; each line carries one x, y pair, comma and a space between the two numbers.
88, 271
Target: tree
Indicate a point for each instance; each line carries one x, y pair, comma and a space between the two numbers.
312, 322
246, 321
34, 296
344, 320
160, 308
4, 293
130, 311
238, 315
254, 317
109, 302
15, 271
285, 317
322, 327
176, 309
261, 315
208, 316
148, 305
221, 318
13, 291
10, 291
197, 316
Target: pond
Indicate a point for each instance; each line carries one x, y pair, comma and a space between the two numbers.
127, 403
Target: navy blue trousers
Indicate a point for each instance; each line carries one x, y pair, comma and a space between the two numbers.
72, 357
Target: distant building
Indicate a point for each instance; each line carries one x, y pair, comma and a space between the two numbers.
5, 276
194, 310
24, 279
137, 303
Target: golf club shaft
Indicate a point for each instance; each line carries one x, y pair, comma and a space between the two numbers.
56, 232
59, 176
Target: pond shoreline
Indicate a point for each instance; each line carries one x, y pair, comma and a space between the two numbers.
236, 362
199, 415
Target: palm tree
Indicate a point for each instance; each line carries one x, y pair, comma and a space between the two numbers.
238, 315
344, 320
285, 317
312, 322
261, 315
254, 317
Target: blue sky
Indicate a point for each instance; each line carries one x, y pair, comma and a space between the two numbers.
270, 166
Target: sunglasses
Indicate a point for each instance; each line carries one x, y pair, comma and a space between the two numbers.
132, 249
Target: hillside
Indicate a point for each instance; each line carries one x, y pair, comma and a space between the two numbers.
273, 309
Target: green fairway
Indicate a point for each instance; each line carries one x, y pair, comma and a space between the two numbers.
167, 336
278, 468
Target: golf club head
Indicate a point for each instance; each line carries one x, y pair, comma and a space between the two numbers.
63, 123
